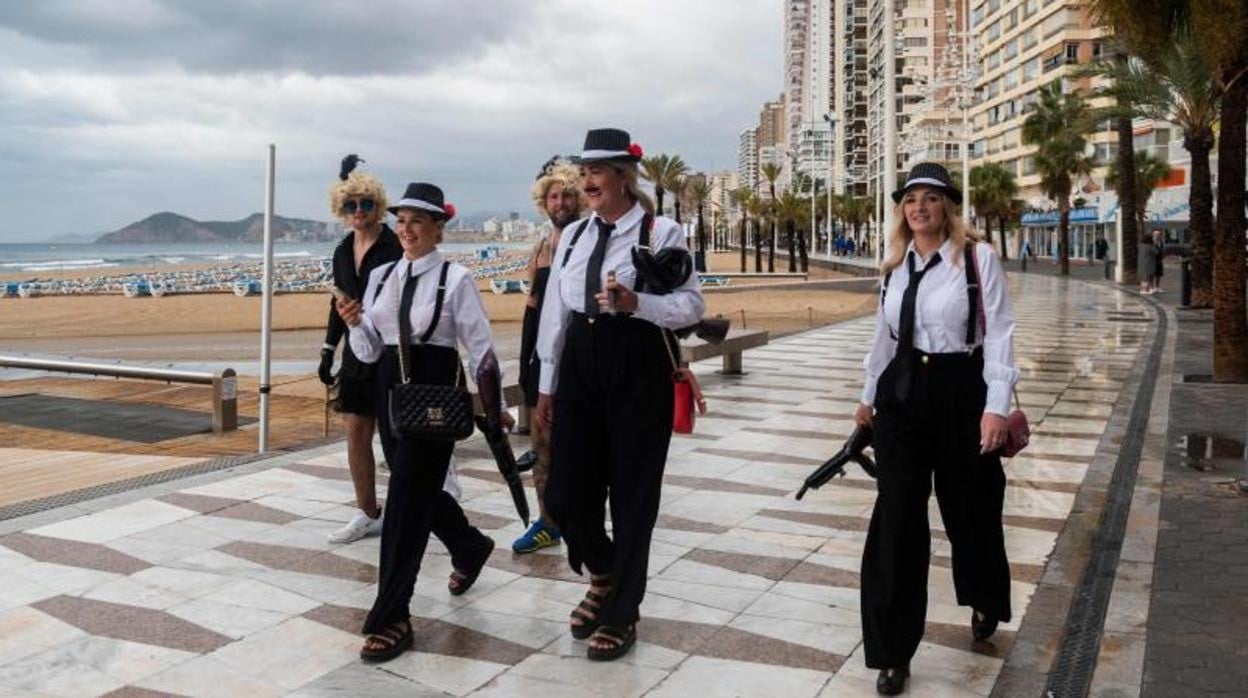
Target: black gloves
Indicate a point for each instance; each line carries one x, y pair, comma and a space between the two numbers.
326, 367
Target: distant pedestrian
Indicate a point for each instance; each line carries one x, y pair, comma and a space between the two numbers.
557, 196
936, 392
606, 388
1146, 263
421, 305
1159, 242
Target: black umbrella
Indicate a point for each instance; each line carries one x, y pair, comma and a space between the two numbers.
851, 451
500, 446
488, 379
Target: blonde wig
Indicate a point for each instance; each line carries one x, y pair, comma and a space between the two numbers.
357, 185
899, 238
564, 174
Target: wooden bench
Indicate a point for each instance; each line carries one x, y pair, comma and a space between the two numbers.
737, 341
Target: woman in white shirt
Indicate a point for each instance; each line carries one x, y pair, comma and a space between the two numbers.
936, 392
606, 388
444, 308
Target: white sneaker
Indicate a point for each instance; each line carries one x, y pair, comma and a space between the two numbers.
359, 527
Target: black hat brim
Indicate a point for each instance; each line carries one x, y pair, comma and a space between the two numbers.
953, 193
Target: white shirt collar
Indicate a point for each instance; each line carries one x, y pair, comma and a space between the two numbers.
626, 221
423, 264
946, 253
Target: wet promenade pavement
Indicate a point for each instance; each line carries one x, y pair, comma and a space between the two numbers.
223, 584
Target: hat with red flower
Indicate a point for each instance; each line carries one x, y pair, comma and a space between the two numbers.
609, 145
425, 197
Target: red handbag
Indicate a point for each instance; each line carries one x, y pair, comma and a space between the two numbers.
1017, 430
683, 416
686, 394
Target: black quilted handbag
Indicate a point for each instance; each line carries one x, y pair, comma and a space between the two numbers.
437, 412
425, 411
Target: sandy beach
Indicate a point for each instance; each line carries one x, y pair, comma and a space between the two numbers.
219, 326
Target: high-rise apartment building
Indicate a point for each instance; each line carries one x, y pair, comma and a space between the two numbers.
928, 126
809, 81
851, 83
1024, 45
747, 157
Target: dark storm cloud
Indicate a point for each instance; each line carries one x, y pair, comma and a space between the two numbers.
275, 36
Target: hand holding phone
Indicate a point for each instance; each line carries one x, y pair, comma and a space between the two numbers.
339, 294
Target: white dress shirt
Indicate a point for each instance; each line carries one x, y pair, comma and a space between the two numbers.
940, 317
680, 308
463, 314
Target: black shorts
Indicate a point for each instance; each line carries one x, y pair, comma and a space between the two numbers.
354, 395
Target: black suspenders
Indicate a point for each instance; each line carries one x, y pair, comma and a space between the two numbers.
643, 238
972, 294
437, 304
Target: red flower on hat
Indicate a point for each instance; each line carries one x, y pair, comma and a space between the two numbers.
450, 210
634, 150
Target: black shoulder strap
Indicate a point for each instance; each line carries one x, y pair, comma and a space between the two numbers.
437, 304
575, 237
385, 275
884, 293
972, 293
643, 241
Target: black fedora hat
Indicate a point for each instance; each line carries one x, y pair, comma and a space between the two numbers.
929, 174
609, 145
425, 197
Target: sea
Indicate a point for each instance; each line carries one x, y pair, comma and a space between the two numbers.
43, 258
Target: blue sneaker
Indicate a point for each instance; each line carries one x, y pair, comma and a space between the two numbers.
540, 535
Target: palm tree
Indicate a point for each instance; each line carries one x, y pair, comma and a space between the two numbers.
1149, 28
678, 186
992, 189
661, 169
771, 172
740, 198
699, 192
790, 208
1150, 171
757, 211
1057, 128
1178, 87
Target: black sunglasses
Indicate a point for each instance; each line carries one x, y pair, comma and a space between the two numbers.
366, 205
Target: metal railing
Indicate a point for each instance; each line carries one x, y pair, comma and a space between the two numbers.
224, 382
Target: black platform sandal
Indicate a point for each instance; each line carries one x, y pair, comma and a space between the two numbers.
621, 641
461, 582
389, 643
587, 610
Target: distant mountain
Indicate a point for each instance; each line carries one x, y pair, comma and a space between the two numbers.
167, 227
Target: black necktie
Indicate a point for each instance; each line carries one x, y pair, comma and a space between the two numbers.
593, 270
405, 309
905, 334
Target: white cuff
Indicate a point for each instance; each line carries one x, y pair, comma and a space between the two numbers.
998, 400
648, 308
868, 390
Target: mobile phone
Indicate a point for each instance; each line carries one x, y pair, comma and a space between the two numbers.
339, 294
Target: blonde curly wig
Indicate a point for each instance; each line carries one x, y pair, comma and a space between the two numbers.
567, 175
357, 185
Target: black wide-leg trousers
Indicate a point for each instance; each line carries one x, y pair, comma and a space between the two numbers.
416, 504
612, 426
933, 436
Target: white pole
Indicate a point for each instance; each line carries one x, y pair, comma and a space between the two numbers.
266, 305
889, 172
965, 89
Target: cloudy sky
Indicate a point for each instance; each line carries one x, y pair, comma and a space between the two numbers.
114, 109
